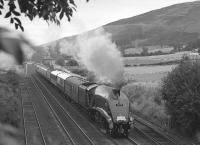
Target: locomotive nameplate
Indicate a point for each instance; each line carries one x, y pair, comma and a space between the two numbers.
121, 118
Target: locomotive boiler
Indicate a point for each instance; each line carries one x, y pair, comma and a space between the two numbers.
107, 106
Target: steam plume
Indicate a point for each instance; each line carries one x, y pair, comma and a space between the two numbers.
98, 54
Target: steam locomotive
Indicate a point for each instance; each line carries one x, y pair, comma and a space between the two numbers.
107, 106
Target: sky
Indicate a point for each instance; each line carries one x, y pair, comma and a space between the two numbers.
88, 16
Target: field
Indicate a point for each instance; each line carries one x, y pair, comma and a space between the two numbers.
150, 50
153, 68
144, 87
147, 73
151, 60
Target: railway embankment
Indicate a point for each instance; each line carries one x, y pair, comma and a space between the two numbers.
11, 126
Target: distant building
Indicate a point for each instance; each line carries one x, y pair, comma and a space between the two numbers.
29, 68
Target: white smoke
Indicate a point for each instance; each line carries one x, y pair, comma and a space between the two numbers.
69, 48
96, 51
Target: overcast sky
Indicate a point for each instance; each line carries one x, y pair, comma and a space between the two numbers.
88, 16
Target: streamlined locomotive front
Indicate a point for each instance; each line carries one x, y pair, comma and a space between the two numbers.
117, 107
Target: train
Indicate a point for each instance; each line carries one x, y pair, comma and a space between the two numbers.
106, 105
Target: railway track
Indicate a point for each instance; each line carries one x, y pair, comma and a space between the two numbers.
153, 135
30, 119
37, 130
133, 141
91, 130
72, 128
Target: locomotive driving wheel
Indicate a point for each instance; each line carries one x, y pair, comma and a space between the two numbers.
126, 132
115, 131
97, 117
106, 126
91, 114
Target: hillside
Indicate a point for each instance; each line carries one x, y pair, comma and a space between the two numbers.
172, 26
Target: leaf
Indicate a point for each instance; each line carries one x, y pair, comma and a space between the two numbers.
11, 20
72, 2
18, 21
16, 13
8, 14
21, 27
1, 1
12, 7
68, 17
61, 14
34, 11
58, 9
30, 17
1, 7
16, 26
57, 22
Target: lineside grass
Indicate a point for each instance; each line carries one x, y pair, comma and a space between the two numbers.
10, 112
146, 101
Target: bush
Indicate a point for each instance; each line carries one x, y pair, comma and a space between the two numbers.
181, 92
9, 99
60, 61
146, 101
72, 62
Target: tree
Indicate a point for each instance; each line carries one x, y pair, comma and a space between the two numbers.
72, 62
49, 10
11, 43
181, 92
60, 61
144, 51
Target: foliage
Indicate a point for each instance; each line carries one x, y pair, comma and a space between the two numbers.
159, 52
9, 101
49, 10
13, 43
181, 92
79, 71
60, 61
146, 101
144, 51
193, 45
72, 62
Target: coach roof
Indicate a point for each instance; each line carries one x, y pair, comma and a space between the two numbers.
42, 67
64, 75
56, 72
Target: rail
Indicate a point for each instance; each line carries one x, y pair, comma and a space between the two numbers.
152, 134
65, 112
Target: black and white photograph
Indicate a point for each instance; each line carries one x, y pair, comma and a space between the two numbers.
99, 72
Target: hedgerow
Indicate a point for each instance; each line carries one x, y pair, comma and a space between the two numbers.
181, 93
